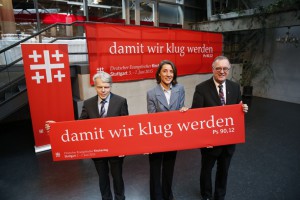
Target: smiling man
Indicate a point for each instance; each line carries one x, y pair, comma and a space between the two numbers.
106, 104
217, 91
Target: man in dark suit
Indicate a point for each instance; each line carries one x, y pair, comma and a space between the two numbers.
106, 104
216, 91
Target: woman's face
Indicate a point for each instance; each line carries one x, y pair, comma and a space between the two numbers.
166, 75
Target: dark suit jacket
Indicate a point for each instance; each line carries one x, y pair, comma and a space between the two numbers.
206, 95
117, 107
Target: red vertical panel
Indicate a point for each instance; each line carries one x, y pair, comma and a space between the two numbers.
48, 83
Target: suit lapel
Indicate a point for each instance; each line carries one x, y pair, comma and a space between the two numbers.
95, 105
174, 95
229, 92
214, 92
161, 96
110, 105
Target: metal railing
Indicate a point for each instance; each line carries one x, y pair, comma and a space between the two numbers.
12, 78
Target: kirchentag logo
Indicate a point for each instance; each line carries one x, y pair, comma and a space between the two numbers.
41, 131
100, 69
46, 70
57, 155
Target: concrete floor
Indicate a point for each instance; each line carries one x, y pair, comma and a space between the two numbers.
266, 167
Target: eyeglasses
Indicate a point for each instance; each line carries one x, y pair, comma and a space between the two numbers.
219, 69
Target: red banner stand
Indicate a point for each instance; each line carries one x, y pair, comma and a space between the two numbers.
48, 82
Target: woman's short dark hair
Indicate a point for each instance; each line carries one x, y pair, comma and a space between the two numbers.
161, 64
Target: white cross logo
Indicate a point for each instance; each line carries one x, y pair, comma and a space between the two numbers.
47, 66
57, 55
59, 76
37, 77
100, 69
35, 56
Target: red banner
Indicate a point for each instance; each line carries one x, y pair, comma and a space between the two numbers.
147, 133
47, 74
134, 52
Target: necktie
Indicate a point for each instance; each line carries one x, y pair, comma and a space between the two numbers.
221, 95
102, 109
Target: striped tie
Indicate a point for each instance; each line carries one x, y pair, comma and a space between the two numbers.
221, 95
102, 109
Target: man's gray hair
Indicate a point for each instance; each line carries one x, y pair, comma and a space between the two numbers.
105, 77
220, 58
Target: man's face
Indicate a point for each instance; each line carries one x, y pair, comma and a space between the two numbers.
103, 89
221, 70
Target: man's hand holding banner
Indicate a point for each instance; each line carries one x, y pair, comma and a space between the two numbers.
147, 133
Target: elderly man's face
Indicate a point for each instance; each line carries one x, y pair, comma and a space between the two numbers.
221, 70
102, 88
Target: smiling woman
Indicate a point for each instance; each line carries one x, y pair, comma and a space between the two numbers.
167, 95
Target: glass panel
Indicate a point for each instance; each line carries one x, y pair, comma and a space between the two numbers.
169, 13
146, 13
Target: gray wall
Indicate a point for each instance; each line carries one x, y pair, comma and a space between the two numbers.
284, 61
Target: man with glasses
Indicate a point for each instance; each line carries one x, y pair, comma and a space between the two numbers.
106, 104
217, 91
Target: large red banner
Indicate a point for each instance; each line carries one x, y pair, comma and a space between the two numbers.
134, 52
47, 74
147, 133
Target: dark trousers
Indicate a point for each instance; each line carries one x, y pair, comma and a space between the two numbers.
161, 175
209, 158
102, 166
